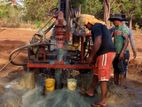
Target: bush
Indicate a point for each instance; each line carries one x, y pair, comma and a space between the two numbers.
3, 11
38, 9
10, 15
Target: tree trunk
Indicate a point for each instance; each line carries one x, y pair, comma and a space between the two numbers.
13, 2
131, 22
106, 11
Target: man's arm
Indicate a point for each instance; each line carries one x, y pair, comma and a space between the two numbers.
132, 43
95, 48
126, 41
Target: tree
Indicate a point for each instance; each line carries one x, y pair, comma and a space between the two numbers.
131, 8
38, 9
93, 7
106, 11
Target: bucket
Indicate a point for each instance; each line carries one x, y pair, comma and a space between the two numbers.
71, 84
50, 84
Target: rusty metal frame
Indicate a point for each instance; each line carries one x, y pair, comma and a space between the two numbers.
55, 66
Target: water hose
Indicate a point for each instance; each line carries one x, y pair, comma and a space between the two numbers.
21, 48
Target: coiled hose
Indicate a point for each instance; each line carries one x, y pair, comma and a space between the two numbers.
11, 58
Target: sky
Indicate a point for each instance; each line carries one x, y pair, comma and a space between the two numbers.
20, 2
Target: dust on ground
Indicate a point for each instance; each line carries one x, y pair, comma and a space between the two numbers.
11, 38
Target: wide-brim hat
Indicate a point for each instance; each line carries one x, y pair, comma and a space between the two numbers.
119, 17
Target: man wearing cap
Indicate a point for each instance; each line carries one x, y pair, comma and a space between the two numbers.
132, 44
102, 53
120, 35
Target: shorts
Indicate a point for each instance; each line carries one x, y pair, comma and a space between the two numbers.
121, 66
118, 65
103, 66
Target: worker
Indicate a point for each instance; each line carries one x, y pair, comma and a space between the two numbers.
132, 44
121, 39
102, 53
127, 55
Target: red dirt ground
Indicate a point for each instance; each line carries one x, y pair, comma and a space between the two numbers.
10, 39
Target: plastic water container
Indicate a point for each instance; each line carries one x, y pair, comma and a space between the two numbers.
50, 84
72, 84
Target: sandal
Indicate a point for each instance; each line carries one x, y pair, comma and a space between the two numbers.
86, 93
99, 105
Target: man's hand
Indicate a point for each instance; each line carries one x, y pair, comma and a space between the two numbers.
89, 60
118, 32
134, 55
126, 41
121, 56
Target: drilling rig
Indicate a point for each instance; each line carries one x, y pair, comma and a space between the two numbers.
61, 54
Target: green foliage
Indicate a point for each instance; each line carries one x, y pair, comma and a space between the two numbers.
93, 7
37, 23
38, 9
9, 15
3, 11
76, 3
129, 7
137, 27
